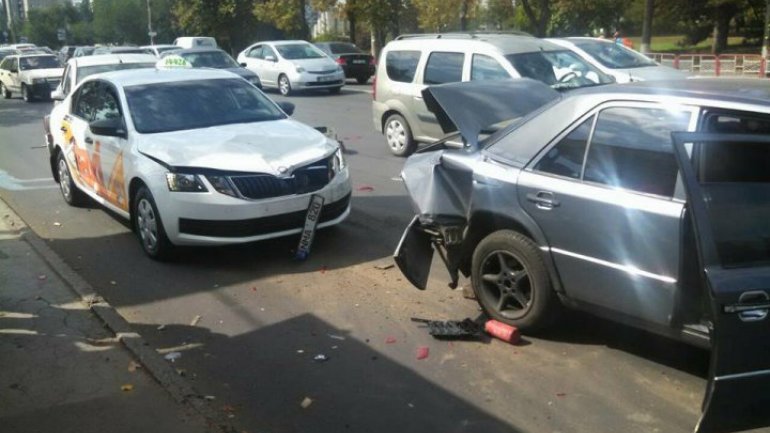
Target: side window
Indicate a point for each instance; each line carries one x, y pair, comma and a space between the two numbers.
82, 107
486, 68
444, 68
4, 64
14, 66
402, 65
267, 51
96, 101
734, 161
65, 81
256, 52
631, 149
566, 157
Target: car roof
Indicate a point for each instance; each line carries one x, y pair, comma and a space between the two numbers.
735, 90
285, 42
197, 50
504, 43
109, 59
159, 46
22, 55
136, 77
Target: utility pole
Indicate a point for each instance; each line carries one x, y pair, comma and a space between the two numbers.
149, 24
649, 9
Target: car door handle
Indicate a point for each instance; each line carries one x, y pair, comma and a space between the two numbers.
89, 140
63, 129
543, 200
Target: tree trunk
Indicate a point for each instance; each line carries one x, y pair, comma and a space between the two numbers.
540, 23
352, 26
722, 16
464, 16
766, 40
649, 9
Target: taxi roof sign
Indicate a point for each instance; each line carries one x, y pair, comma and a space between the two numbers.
173, 61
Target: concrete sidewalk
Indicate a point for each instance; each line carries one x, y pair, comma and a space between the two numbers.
61, 368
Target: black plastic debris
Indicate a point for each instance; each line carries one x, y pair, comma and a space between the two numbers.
451, 329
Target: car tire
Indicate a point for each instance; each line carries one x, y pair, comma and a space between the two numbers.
284, 85
6, 93
148, 225
362, 79
335, 90
398, 135
69, 191
511, 282
25, 95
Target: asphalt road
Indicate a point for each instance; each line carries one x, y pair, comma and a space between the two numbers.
264, 317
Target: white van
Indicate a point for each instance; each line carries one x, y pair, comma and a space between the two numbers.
196, 42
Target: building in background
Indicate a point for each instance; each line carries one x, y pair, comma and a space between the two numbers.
330, 23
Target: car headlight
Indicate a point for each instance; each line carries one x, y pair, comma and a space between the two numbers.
222, 185
180, 182
38, 80
338, 162
339, 68
299, 69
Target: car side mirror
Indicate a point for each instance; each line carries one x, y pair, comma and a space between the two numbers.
112, 127
243, 65
287, 107
58, 94
270, 58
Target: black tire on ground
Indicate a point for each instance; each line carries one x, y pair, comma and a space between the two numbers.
25, 95
362, 79
335, 90
284, 85
148, 225
6, 93
511, 281
69, 191
398, 136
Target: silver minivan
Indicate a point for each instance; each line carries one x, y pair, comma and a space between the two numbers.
412, 62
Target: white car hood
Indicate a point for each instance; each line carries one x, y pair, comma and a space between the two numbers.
314, 65
648, 73
44, 73
275, 147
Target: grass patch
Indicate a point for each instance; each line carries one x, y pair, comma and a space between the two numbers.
671, 44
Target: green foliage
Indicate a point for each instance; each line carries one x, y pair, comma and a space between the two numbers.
43, 24
120, 21
330, 37
231, 22
586, 17
285, 15
443, 15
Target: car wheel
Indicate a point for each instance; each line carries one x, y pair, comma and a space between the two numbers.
6, 93
149, 226
284, 85
511, 282
399, 136
335, 90
69, 191
25, 93
362, 79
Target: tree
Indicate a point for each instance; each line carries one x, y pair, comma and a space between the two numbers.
120, 21
43, 24
585, 17
442, 15
649, 10
499, 14
231, 22
539, 14
766, 33
286, 15
723, 12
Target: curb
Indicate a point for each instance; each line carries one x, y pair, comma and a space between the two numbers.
179, 389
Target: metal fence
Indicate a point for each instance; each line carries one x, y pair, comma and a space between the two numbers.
723, 65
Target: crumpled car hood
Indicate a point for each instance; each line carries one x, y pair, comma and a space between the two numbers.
470, 107
272, 147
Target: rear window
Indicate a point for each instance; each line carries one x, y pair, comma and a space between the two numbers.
87, 71
182, 105
340, 48
38, 62
402, 65
444, 68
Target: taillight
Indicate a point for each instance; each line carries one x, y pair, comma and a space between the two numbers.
374, 87
372, 62
341, 61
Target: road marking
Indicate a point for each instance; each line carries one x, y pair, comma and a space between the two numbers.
12, 183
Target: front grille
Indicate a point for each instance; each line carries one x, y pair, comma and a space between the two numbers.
324, 83
259, 226
330, 71
309, 178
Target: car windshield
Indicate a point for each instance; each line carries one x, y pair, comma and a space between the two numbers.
343, 48
299, 51
164, 49
614, 56
38, 62
558, 69
210, 59
182, 105
86, 71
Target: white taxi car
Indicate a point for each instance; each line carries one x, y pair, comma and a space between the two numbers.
78, 68
193, 157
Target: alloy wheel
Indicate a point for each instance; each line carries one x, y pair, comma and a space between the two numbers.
147, 224
64, 180
505, 282
284, 86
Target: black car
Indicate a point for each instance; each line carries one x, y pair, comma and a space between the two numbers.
356, 63
216, 59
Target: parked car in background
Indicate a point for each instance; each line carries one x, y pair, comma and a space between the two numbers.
21, 46
121, 50
83, 51
292, 66
31, 75
157, 50
195, 42
79, 68
193, 157
5, 52
588, 202
412, 62
66, 52
621, 62
355, 63
216, 59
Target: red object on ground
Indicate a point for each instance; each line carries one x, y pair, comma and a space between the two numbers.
390, 340
502, 331
365, 188
422, 352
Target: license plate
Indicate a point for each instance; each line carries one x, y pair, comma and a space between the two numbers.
311, 221
359, 62
324, 79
